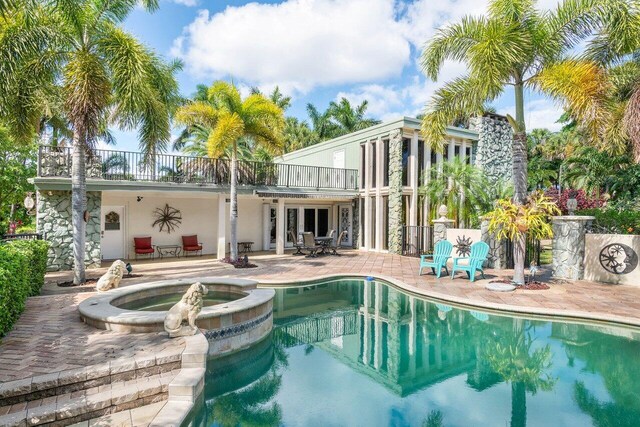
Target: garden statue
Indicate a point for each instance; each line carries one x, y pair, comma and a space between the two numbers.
533, 269
112, 278
187, 309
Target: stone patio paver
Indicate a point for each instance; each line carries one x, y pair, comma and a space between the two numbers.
50, 336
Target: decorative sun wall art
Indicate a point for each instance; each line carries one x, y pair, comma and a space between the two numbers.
167, 218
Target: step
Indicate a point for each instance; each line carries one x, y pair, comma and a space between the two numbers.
69, 381
94, 402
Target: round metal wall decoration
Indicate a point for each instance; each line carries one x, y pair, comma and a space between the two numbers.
167, 218
617, 258
463, 245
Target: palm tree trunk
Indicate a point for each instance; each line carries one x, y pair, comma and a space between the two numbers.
78, 206
518, 405
519, 180
234, 203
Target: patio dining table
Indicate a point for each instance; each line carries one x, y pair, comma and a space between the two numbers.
324, 242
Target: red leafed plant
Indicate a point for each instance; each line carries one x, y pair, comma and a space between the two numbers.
585, 201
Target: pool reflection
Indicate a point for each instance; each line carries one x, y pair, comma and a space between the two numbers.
419, 352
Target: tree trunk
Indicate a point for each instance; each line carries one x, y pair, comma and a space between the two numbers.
234, 203
519, 180
518, 405
78, 206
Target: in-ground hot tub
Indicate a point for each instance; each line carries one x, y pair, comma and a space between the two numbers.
235, 313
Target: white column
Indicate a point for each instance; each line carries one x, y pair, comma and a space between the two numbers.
280, 228
222, 226
413, 179
266, 227
367, 222
379, 230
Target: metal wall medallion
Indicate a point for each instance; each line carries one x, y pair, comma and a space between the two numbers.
167, 218
463, 245
618, 258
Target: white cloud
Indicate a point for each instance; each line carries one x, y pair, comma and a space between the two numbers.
543, 113
298, 44
189, 3
387, 102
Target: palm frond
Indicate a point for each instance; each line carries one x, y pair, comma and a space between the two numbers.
451, 42
463, 95
225, 96
228, 130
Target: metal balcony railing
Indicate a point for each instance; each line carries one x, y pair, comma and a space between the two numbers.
115, 165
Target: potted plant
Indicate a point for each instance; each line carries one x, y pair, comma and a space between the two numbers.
511, 221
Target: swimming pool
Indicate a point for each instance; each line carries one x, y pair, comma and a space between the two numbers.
358, 353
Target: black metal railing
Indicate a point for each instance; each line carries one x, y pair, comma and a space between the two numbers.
20, 236
532, 252
417, 240
115, 165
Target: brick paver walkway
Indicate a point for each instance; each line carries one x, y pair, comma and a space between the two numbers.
50, 336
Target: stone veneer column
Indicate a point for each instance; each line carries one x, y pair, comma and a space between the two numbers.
395, 192
497, 251
493, 152
568, 246
53, 220
440, 227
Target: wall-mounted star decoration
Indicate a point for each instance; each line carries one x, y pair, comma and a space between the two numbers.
167, 218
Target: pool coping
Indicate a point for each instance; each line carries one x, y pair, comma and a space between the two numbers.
99, 311
576, 316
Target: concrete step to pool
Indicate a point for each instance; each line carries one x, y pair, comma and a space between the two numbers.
69, 381
91, 403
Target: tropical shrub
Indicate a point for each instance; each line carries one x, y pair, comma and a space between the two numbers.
515, 222
614, 221
22, 268
585, 201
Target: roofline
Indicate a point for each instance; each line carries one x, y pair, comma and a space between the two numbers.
381, 129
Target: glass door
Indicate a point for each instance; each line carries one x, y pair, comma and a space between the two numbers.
272, 234
292, 225
316, 221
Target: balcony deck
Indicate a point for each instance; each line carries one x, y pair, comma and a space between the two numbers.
126, 167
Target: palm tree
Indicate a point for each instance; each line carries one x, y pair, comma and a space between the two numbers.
511, 46
298, 134
321, 123
229, 120
276, 96
511, 357
593, 170
462, 188
75, 50
348, 118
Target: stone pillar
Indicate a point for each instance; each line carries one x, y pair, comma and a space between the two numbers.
568, 246
53, 220
497, 257
441, 225
280, 227
493, 153
222, 227
395, 192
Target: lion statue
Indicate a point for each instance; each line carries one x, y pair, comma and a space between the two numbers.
187, 309
113, 276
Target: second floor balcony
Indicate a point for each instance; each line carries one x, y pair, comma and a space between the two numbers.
113, 165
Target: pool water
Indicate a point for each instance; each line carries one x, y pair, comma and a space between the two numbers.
165, 302
356, 353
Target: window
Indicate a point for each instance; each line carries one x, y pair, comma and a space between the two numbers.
310, 220
385, 162
361, 222
372, 223
421, 163
112, 221
363, 168
468, 155
405, 160
456, 151
273, 213
385, 222
292, 223
323, 222
374, 170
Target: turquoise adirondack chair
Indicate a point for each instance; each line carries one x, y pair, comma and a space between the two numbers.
441, 253
472, 263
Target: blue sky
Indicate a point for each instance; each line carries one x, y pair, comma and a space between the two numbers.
315, 50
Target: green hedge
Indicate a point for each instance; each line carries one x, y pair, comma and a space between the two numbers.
614, 221
22, 268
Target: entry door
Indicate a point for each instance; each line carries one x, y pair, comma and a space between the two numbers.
345, 223
112, 235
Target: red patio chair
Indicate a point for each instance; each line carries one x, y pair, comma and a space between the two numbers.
143, 246
191, 244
